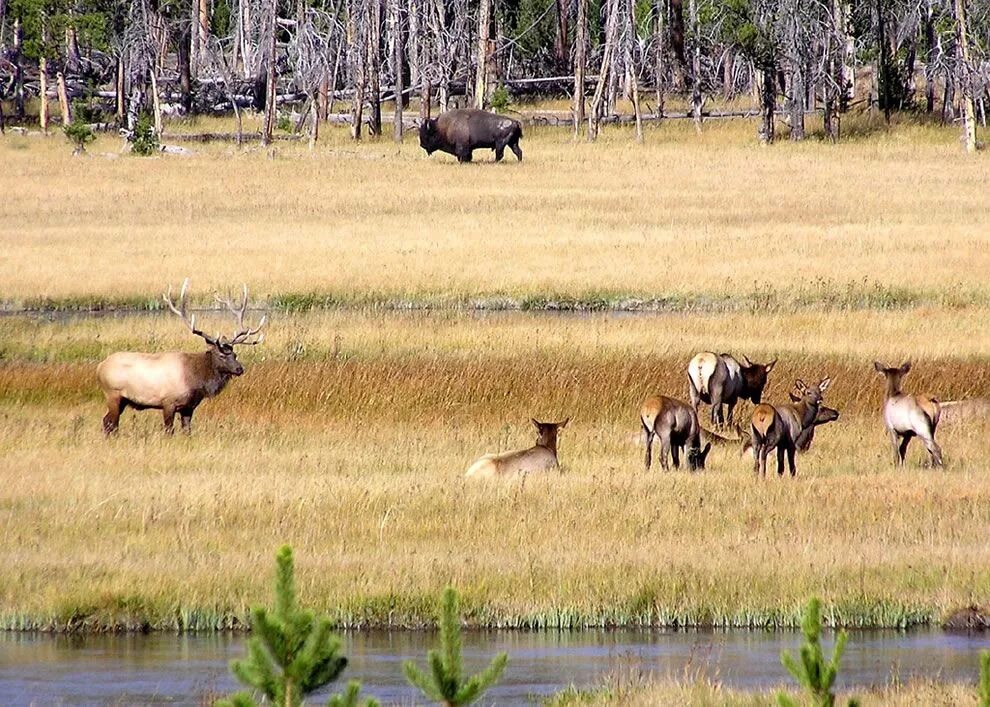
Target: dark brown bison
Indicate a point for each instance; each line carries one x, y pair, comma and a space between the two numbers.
459, 132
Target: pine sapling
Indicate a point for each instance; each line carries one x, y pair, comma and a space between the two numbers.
291, 653
444, 683
814, 673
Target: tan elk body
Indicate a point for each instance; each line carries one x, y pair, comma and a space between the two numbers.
676, 425
540, 457
907, 416
719, 379
173, 382
779, 427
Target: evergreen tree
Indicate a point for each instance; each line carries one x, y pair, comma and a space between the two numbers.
292, 652
815, 674
444, 683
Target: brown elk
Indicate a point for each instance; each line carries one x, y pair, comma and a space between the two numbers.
175, 382
803, 443
908, 416
719, 379
676, 425
540, 457
779, 427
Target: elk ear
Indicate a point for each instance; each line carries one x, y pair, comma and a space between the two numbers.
825, 383
746, 362
562, 425
771, 365
905, 367
794, 398
878, 366
800, 386
536, 423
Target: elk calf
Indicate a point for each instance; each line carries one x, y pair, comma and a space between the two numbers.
909, 416
174, 382
676, 425
780, 427
540, 457
719, 379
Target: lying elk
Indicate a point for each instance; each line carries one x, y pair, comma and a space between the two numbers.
175, 382
779, 427
908, 416
676, 425
719, 379
540, 457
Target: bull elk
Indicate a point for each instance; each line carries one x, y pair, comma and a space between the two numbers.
676, 425
779, 427
908, 416
175, 382
719, 379
540, 457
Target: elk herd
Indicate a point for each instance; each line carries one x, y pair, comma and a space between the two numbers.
176, 383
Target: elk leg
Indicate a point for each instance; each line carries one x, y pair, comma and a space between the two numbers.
665, 451
168, 413
516, 150
898, 455
731, 407
934, 451
790, 461
902, 451
764, 452
649, 446
780, 460
715, 395
111, 421
186, 419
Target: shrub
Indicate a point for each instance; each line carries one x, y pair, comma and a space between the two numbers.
444, 683
501, 100
79, 134
144, 141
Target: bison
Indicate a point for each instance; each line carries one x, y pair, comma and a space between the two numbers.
460, 132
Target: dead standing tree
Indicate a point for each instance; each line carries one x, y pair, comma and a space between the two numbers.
309, 56
580, 63
271, 36
357, 46
605, 72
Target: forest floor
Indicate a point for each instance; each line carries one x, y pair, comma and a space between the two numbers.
350, 431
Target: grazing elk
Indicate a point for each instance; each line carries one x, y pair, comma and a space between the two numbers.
779, 427
540, 457
719, 379
676, 425
908, 416
460, 132
174, 382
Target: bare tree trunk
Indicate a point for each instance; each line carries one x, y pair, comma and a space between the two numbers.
184, 59
580, 62
606, 70
677, 43
43, 94
71, 48
121, 101
768, 101
696, 99
415, 28
883, 63
358, 47
63, 98
397, 67
156, 104
561, 51
931, 52
18, 68
965, 79
484, 35
203, 30
425, 101
375, 66
728, 81
271, 33
660, 40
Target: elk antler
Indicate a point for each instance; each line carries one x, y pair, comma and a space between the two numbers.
242, 337
180, 311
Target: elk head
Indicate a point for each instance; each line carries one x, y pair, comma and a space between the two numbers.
894, 375
547, 432
221, 348
755, 377
812, 394
696, 456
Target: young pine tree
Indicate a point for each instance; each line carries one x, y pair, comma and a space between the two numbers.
815, 674
292, 652
444, 683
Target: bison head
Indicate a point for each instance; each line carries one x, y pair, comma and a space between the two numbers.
429, 136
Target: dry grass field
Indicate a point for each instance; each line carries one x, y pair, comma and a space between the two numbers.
887, 218
349, 434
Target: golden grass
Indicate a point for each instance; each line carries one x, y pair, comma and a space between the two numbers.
885, 219
709, 694
349, 434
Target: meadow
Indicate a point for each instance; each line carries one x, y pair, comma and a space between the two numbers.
350, 431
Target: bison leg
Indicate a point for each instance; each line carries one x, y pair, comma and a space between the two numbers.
186, 419
516, 150
463, 154
168, 414
499, 151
